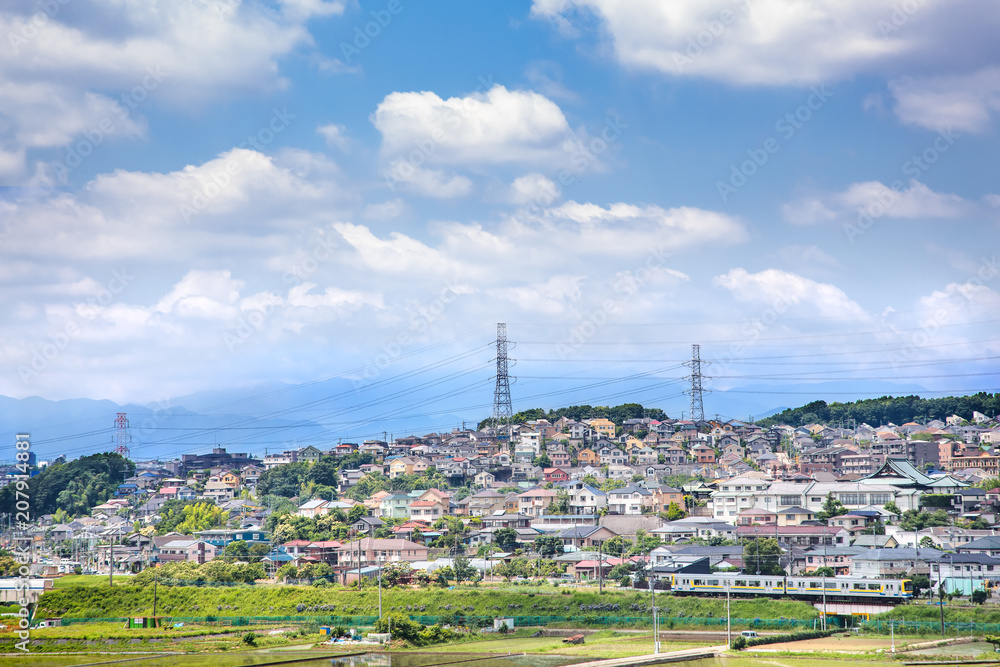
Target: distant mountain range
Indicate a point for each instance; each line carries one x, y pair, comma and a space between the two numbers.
277, 416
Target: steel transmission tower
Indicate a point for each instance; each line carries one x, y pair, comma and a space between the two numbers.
502, 409
122, 438
696, 390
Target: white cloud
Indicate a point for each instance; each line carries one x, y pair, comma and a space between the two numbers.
553, 297
878, 200
963, 303
428, 182
780, 289
533, 189
497, 127
770, 42
80, 73
387, 210
965, 103
335, 136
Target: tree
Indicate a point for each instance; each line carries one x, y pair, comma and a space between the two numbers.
285, 480
549, 546
927, 543
74, 487
617, 546
831, 508
762, 556
356, 513
823, 572
561, 503
324, 472
506, 538
464, 571
234, 551
891, 506
542, 461
674, 512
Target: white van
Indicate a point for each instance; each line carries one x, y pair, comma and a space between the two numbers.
749, 634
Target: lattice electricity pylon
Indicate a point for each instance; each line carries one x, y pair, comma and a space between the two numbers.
696, 390
122, 437
503, 411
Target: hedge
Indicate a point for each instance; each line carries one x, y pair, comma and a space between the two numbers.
742, 642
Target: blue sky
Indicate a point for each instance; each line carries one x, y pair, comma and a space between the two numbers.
215, 194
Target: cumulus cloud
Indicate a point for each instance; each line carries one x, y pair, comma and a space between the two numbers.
878, 200
499, 126
772, 287
965, 103
769, 42
65, 75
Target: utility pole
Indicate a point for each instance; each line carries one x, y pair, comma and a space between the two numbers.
600, 567
729, 618
656, 628
111, 565
155, 577
380, 588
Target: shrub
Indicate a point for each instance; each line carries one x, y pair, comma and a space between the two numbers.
250, 638
780, 639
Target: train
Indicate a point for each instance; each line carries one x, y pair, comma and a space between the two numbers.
836, 589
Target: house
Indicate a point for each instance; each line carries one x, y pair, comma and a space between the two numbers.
367, 525
485, 479
798, 536
588, 457
703, 454
757, 516
232, 479
429, 510
180, 550
555, 475
558, 456
218, 491
396, 506
313, 508
485, 502
876, 563
964, 566
309, 454
664, 496
535, 502
371, 551
604, 427
585, 537
630, 500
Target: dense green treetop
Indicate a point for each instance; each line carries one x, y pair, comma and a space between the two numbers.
74, 487
878, 411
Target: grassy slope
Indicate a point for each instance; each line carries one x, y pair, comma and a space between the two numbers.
100, 601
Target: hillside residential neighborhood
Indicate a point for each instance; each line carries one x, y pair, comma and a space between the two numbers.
689, 495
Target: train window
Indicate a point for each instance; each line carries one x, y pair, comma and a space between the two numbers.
698, 582
842, 585
713, 582
858, 587
873, 587
814, 584
740, 582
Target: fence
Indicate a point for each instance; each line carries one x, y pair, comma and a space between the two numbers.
881, 626
481, 621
